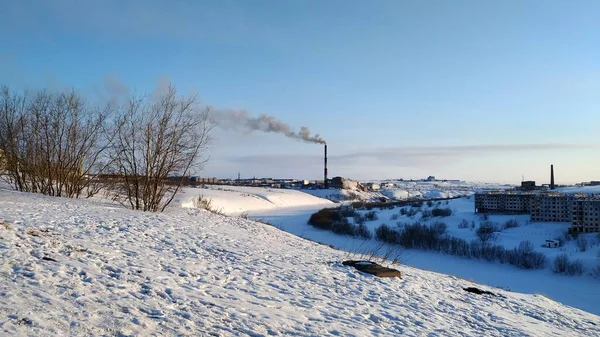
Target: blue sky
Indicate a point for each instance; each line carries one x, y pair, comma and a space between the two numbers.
472, 90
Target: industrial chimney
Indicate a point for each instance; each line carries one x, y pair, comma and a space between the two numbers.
551, 177
325, 185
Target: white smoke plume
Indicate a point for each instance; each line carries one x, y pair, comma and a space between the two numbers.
241, 119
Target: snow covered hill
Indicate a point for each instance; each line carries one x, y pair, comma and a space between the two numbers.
234, 200
87, 267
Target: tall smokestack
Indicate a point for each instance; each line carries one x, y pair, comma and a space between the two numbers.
551, 177
325, 171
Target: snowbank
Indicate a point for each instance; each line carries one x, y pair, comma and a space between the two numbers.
238, 199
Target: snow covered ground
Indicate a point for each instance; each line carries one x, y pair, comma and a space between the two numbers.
234, 200
579, 291
88, 267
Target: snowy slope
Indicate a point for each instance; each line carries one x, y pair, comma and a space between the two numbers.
234, 200
81, 267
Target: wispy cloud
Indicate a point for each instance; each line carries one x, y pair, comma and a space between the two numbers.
413, 156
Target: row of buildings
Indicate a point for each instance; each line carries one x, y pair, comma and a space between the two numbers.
581, 210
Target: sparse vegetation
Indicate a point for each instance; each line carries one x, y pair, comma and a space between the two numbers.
206, 204
384, 233
371, 216
359, 219
348, 211
343, 227
332, 219
52, 142
433, 238
363, 232
464, 223
325, 218
582, 243
562, 265
486, 231
441, 212
512, 223
56, 144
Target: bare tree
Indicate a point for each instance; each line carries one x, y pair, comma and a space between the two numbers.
158, 143
52, 143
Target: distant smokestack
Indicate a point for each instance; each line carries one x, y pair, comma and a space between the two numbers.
325, 171
551, 177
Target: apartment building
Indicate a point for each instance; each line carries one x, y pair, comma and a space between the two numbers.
582, 211
504, 202
551, 207
585, 215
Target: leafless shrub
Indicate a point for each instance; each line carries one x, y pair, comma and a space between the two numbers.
562, 265
464, 223
51, 143
511, 223
157, 143
582, 244
486, 231
206, 204
244, 215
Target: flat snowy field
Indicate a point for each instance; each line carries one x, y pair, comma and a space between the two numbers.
88, 267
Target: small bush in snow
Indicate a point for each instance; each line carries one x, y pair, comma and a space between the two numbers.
385, 233
359, 219
463, 224
325, 218
562, 265
439, 227
512, 223
363, 232
412, 212
430, 203
348, 211
528, 258
206, 204
203, 203
441, 212
486, 231
371, 216
426, 214
582, 243
403, 211
343, 228
394, 217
